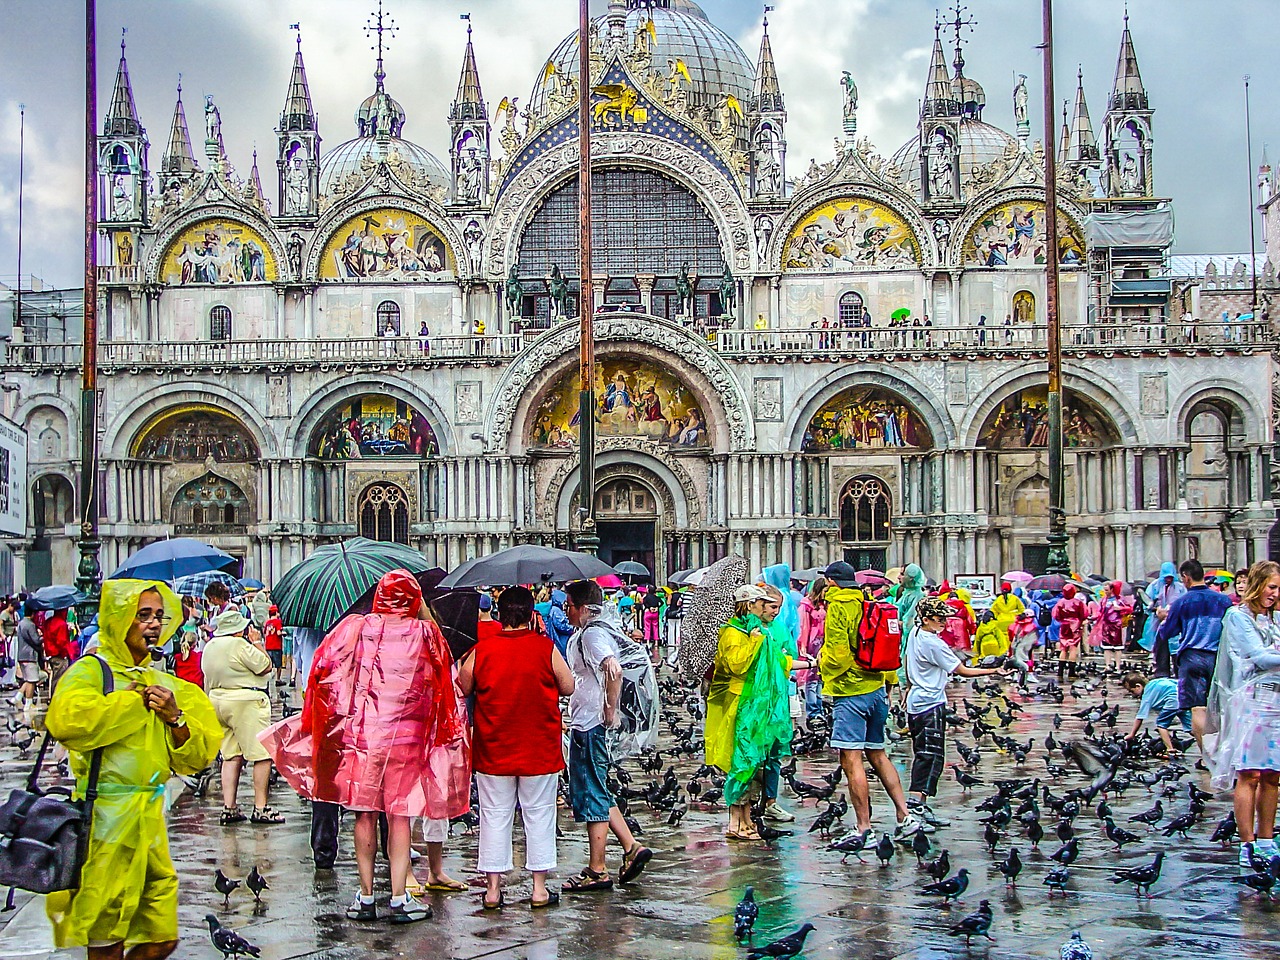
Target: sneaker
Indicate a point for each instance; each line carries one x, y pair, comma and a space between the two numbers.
922, 812
777, 813
909, 827
1246, 856
359, 910
1032, 678
1266, 849
411, 911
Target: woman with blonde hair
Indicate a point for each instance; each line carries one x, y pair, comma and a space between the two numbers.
1244, 710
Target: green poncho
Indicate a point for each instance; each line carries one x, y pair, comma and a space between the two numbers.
762, 727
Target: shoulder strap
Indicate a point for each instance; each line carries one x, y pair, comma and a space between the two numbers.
95, 764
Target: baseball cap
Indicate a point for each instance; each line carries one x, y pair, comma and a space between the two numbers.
749, 592
842, 574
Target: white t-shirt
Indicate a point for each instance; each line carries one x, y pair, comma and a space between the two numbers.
930, 663
588, 648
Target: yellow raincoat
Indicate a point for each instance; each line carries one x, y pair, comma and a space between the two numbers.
128, 889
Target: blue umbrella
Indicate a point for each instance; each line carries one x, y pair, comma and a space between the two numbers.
248, 583
196, 584
170, 559
56, 597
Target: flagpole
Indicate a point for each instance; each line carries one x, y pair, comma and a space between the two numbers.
588, 541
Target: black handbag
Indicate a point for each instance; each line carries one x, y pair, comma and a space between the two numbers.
44, 834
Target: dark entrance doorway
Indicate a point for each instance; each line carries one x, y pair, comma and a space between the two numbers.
628, 540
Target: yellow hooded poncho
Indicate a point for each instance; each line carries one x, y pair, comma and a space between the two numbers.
128, 889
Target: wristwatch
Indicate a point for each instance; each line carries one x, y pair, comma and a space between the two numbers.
180, 722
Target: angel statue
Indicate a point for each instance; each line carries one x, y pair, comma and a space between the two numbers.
850, 94
1020, 99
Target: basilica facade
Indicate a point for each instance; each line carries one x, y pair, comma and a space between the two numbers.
799, 359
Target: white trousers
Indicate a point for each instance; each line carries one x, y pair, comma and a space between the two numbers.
537, 798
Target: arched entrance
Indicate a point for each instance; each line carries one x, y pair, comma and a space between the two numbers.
627, 522
866, 509
52, 553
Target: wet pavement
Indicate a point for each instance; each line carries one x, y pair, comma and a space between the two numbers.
683, 904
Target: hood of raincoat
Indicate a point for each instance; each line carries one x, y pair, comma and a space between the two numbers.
913, 577
1168, 569
1068, 590
398, 593
779, 575
115, 616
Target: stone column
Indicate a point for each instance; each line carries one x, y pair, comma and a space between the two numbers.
645, 282
775, 301
1166, 544
599, 282
19, 550
308, 313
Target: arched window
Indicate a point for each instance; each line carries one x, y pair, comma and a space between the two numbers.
384, 513
865, 511
1024, 307
210, 504
851, 307
388, 319
220, 323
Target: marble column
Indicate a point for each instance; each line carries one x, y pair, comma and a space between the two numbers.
309, 313
1166, 544
775, 302
645, 282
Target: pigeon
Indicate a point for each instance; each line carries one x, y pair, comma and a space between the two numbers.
744, 917
1067, 853
1065, 831
939, 867
1056, 880
1119, 836
884, 850
224, 885
468, 821
1262, 882
1194, 793
991, 836
1150, 817
1180, 825
767, 833
967, 782
1010, 866
1096, 762
227, 942
1104, 810
677, 814
812, 791
1075, 948
975, 924
256, 883
1035, 832
785, 948
1141, 877
1225, 830
853, 842
950, 888
920, 845
824, 821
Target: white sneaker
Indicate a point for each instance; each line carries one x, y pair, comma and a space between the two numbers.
908, 827
1266, 849
1032, 678
777, 813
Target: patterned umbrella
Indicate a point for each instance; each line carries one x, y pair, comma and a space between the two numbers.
319, 590
196, 584
706, 610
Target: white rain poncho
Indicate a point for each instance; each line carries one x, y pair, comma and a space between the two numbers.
638, 706
1241, 699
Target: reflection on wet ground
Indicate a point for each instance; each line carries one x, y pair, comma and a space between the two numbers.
683, 904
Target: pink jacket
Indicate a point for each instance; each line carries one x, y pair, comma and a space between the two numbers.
813, 619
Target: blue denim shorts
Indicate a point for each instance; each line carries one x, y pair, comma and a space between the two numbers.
1166, 718
589, 797
1195, 676
858, 723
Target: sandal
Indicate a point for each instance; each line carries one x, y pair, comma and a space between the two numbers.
745, 836
484, 902
588, 881
265, 815
413, 888
232, 815
633, 863
453, 886
552, 900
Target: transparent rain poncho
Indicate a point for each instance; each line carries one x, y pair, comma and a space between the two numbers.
128, 889
1242, 718
638, 703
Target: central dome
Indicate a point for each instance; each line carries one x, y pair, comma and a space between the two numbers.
681, 31
980, 144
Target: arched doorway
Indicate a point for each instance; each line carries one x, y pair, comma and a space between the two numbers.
866, 510
383, 513
627, 522
53, 506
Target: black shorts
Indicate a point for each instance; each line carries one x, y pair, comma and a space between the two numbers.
1195, 674
277, 658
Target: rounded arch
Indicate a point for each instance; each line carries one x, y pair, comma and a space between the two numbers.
525, 193
31, 404
173, 229
1002, 202
211, 500
48, 434
916, 395
341, 215
829, 194
52, 501
388, 243
850, 233
121, 432
192, 433
324, 401
668, 481
1256, 428
1089, 384
865, 511
513, 402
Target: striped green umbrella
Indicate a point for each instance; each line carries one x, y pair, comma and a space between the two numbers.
319, 590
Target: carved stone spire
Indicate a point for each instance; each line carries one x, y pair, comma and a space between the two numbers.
767, 97
1128, 92
468, 104
1084, 145
298, 113
179, 161
122, 116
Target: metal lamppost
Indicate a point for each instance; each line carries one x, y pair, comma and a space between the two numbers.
1253, 215
1058, 561
588, 541
89, 575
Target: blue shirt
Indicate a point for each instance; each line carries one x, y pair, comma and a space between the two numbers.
1197, 617
1159, 695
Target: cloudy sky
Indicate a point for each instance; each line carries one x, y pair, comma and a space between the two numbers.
1193, 54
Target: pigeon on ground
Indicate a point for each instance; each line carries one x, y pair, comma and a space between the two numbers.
1075, 948
950, 888
1141, 877
975, 924
1150, 817
224, 885
677, 814
1104, 810
884, 850
854, 843
1095, 761
1064, 831
940, 867
783, 949
1262, 882
1120, 836
1180, 825
256, 883
1056, 880
227, 942
920, 846
767, 833
991, 837
1067, 853
1035, 833
1010, 866
1194, 793
824, 821
744, 917
1225, 830
967, 782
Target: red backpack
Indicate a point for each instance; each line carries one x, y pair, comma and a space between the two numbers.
879, 637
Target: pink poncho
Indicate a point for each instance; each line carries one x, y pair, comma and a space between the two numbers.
380, 727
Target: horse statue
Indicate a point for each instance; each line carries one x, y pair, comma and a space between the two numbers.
514, 291
560, 294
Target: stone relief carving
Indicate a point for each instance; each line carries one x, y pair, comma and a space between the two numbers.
466, 403
768, 398
1155, 394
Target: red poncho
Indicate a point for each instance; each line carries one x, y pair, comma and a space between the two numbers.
380, 727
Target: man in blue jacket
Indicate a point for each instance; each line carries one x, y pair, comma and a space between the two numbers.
1196, 616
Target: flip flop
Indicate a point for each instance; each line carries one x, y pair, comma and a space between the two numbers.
552, 900
413, 888
494, 906
453, 886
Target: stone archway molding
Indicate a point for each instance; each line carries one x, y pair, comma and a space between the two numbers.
120, 433
297, 438
633, 457
1226, 391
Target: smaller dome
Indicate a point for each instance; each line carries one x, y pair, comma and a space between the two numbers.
373, 106
980, 144
348, 158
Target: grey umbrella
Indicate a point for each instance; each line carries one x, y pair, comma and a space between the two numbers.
630, 570
527, 563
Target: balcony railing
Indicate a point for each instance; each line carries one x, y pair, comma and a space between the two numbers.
113, 274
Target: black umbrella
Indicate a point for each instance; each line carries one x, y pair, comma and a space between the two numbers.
527, 563
679, 577
631, 571
1052, 582
457, 611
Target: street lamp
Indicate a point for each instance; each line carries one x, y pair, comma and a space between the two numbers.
588, 541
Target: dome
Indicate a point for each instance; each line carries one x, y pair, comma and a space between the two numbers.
348, 158
980, 144
367, 115
715, 62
